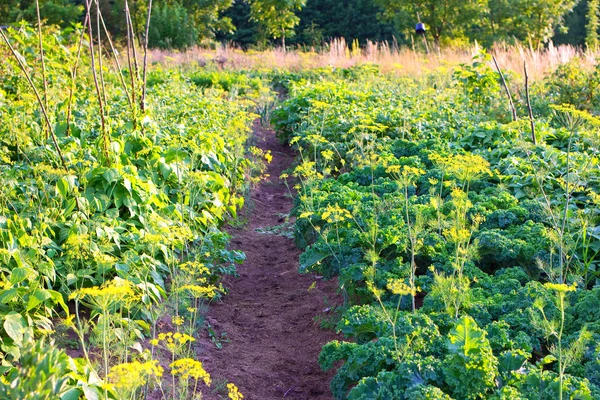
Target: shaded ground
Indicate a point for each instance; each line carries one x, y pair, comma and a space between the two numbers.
270, 315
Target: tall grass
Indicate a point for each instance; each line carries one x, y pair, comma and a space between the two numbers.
391, 58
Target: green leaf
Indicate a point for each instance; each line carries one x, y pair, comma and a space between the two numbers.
111, 175
62, 186
36, 298
18, 275
14, 325
310, 258
465, 338
57, 298
8, 295
71, 394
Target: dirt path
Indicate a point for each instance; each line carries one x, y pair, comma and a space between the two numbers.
269, 313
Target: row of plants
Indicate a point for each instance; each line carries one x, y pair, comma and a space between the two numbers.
115, 182
465, 249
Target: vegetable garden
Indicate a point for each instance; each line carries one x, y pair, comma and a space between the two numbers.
109, 215
466, 253
464, 240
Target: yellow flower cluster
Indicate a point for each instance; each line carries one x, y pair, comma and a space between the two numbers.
194, 268
396, 286
198, 291
188, 368
78, 246
327, 155
560, 287
177, 320
130, 376
307, 170
335, 214
172, 340
234, 393
465, 167
460, 199
306, 214
457, 235
118, 288
404, 174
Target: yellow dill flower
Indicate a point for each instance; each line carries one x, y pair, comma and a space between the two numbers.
335, 214
68, 321
130, 376
172, 341
195, 268
268, 157
405, 175
327, 155
183, 338
457, 235
306, 214
200, 291
396, 286
465, 167
77, 246
116, 290
177, 320
374, 289
478, 219
393, 169
234, 393
189, 368
560, 287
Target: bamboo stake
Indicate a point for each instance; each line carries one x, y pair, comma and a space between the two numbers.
44, 78
74, 77
529, 103
130, 53
96, 84
143, 100
116, 59
100, 67
39, 100
510, 100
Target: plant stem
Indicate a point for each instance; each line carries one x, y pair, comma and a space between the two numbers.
412, 250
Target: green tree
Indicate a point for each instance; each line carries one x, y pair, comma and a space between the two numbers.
54, 12
483, 20
174, 23
528, 20
246, 30
277, 17
351, 19
444, 19
171, 27
574, 31
208, 18
591, 37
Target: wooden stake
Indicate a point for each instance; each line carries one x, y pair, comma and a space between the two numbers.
510, 100
529, 103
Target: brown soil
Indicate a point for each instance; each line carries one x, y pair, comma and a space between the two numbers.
272, 313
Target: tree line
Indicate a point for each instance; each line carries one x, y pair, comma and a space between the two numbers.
182, 23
